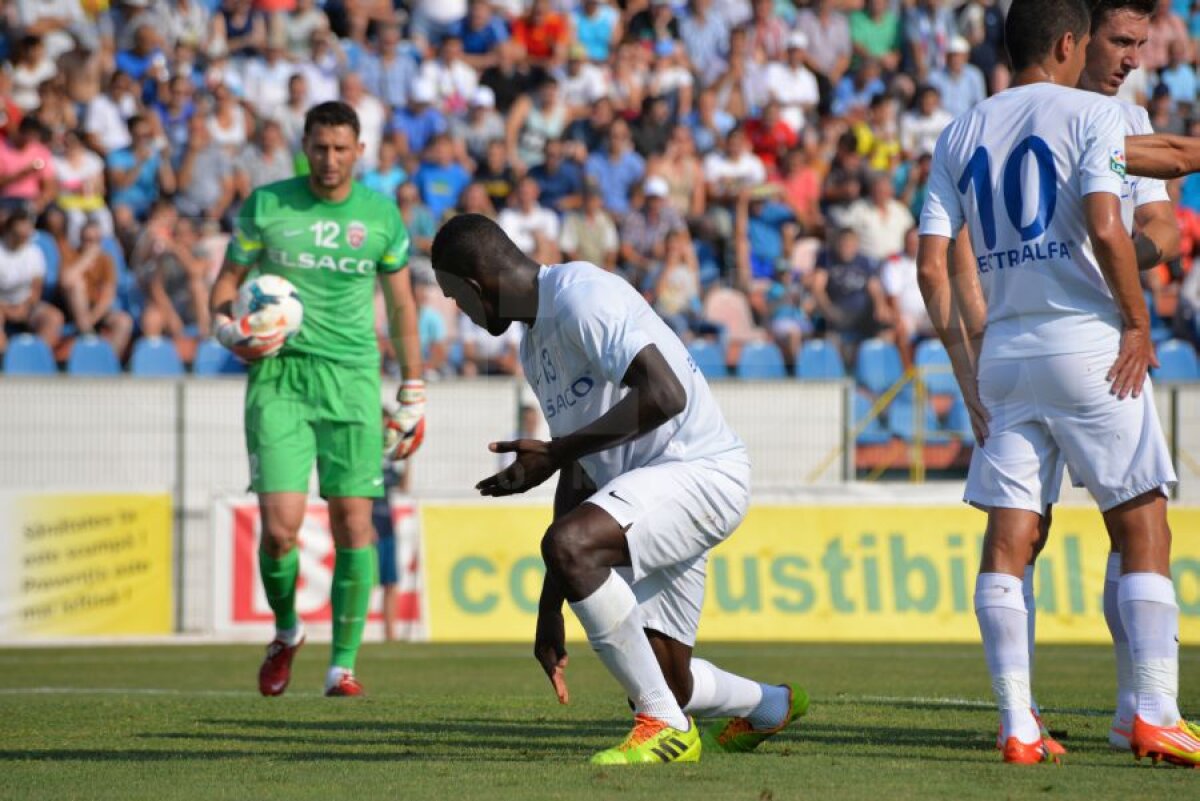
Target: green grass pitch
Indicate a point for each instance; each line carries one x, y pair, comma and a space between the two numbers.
480, 722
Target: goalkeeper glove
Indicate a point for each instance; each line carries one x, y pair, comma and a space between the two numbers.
406, 426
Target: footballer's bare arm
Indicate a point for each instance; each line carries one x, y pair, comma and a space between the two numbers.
1162, 156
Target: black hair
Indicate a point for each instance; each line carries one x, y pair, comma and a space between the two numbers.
1033, 26
1103, 9
331, 114
467, 241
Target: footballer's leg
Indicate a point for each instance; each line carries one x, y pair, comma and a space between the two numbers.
354, 570
279, 566
1029, 596
581, 548
1121, 728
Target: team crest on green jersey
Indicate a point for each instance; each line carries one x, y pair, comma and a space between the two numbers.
356, 234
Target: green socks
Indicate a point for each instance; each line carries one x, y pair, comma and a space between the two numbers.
279, 582
353, 580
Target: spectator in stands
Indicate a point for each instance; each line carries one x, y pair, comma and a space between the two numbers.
452, 79
27, 168
684, 174
440, 178
534, 121
175, 106
81, 186
675, 293
1166, 29
145, 62
31, 68
801, 184
205, 178
590, 134
59, 23
960, 84
413, 127
421, 228
559, 180
591, 235
229, 124
511, 77
481, 126
583, 83
878, 134
856, 90
1179, 77
475, 200
244, 29
654, 24
497, 177
431, 328
87, 289
486, 355
846, 178
264, 161
920, 128
929, 25
323, 69
481, 33
705, 36
432, 20
829, 43
981, 22
733, 169
531, 226
597, 29
291, 116
654, 127
22, 278
789, 307
617, 169
372, 117
879, 220
139, 173
771, 137
898, 276
267, 78
627, 88
644, 232
875, 33
709, 123
388, 174
544, 33
848, 294
173, 276
299, 27
792, 85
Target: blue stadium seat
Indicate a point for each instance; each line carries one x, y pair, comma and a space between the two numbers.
91, 355
1178, 360
709, 357
901, 418
874, 433
820, 361
113, 248
934, 362
155, 357
1159, 330
29, 355
455, 355
958, 421
212, 358
761, 360
49, 249
878, 365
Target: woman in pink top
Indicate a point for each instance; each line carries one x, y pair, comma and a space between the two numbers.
26, 168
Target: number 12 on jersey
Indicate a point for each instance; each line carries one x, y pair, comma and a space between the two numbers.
979, 173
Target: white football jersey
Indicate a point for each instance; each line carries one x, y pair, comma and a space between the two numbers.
1016, 168
590, 326
1138, 191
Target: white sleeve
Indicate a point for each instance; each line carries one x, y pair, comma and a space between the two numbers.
1146, 190
607, 333
1102, 159
942, 214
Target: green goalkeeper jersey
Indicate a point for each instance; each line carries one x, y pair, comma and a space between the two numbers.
331, 253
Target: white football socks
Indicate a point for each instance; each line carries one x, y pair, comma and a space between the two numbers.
334, 675
717, 693
1030, 599
1151, 618
613, 623
1000, 609
1126, 699
290, 637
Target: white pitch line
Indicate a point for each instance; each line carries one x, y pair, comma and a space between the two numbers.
119, 691
899, 699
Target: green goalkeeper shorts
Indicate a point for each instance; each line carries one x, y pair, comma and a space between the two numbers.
301, 407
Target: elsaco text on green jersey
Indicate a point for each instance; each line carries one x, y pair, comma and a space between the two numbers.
331, 252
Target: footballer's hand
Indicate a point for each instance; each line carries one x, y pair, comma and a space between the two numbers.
550, 650
534, 464
1134, 359
249, 337
406, 426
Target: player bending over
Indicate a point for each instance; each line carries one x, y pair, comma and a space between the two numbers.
1036, 172
316, 396
632, 416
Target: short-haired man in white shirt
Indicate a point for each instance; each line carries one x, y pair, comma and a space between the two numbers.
793, 84
1037, 173
651, 478
22, 276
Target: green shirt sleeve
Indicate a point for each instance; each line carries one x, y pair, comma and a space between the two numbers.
395, 258
246, 245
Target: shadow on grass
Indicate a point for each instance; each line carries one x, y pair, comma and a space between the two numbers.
473, 727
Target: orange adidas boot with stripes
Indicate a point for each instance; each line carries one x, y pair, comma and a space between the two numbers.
1178, 744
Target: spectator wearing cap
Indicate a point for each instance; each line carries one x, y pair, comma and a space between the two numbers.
544, 33
452, 79
921, 127
372, 116
671, 79
440, 178
792, 84
481, 32
644, 232
875, 33
559, 180
532, 227
705, 36
709, 123
496, 174
27, 168
138, 174
597, 29
961, 84
22, 276
829, 44
533, 122
388, 73
616, 169
583, 83
511, 77
481, 125
879, 219
590, 234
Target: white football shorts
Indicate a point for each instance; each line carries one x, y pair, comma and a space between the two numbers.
674, 513
1057, 410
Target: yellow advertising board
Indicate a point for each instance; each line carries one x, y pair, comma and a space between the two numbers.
821, 573
85, 565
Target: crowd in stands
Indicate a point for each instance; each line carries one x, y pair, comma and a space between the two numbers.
754, 167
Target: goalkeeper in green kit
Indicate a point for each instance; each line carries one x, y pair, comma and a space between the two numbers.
317, 394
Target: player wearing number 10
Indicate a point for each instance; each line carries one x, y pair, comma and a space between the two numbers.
317, 395
1037, 173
